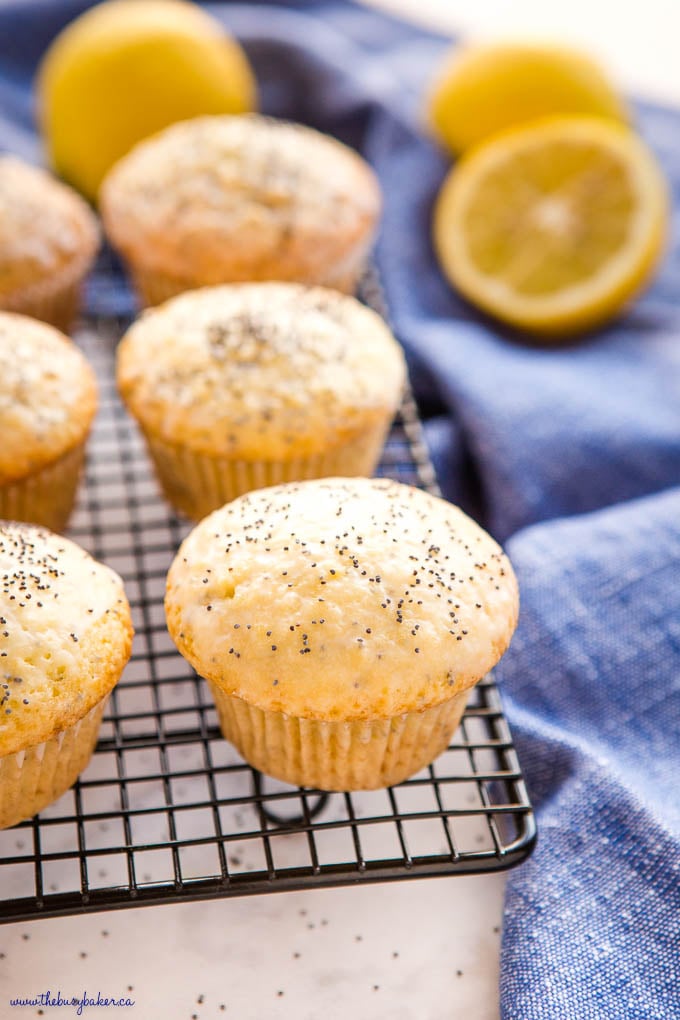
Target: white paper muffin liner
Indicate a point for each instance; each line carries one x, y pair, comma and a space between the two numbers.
55, 300
196, 484
33, 778
46, 496
153, 287
329, 755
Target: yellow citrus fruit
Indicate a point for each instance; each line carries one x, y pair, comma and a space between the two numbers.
553, 226
128, 68
483, 89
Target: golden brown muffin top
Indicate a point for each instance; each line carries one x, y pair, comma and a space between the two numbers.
65, 634
265, 370
48, 395
45, 227
236, 198
341, 599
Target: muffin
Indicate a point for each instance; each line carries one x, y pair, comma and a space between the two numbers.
248, 385
48, 241
48, 398
232, 199
341, 625
65, 639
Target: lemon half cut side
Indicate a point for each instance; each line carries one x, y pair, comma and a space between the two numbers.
554, 226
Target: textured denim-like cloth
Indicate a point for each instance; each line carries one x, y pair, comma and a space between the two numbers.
569, 456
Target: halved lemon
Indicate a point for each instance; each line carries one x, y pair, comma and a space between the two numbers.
485, 88
554, 226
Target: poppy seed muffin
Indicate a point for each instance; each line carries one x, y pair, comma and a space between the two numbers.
238, 198
65, 638
341, 625
48, 241
48, 399
248, 385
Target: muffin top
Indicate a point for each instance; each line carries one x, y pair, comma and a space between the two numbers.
65, 634
240, 198
48, 396
45, 227
263, 369
341, 599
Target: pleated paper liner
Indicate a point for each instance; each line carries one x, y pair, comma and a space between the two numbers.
153, 287
196, 484
335, 755
55, 300
33, 778
46, 496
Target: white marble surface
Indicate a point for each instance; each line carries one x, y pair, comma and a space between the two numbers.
424, 950
636, 41
419, 950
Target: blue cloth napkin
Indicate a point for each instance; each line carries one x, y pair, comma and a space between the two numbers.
570, 456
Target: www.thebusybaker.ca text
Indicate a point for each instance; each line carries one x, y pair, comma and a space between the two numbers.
75, 1002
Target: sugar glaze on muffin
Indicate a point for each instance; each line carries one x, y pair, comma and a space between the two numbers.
48, 241
246, 385
360, 597
65, 634
65, 637
48, 399
228, 199
48, 395
256, 370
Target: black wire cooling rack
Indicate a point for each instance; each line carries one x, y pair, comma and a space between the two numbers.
168, 811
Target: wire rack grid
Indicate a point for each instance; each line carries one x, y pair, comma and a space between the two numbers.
167, 810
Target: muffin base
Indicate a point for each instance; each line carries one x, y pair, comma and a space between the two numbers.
55, 300
33, 778
154, 287
338, 756
196, 484
46, 496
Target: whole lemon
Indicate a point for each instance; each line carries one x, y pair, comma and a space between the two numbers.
128, 68
485, 88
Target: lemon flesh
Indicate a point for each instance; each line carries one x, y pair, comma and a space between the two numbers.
484, 89
126, 69
554, 226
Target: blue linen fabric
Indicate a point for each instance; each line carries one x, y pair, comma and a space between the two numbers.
570, 456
